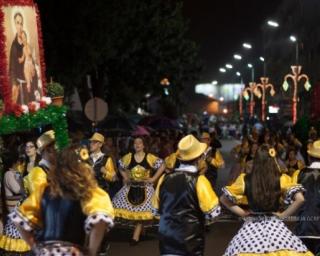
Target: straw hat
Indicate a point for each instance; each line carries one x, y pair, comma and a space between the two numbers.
45, 139
97, 137
205, 135
314, 149
190, 148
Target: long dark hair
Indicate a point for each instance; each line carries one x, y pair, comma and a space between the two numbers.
265, 180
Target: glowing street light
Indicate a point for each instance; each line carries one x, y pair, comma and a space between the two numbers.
222, 70
250, 65
293, 39
273, 23
237, 56
296, 76
238, 73
260, 92
245, 92
247, 45
215, 82
261, 58
229, 66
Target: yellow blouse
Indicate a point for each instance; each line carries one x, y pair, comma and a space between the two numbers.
217, 161
140, 171
170, 161
36, 177
30, 210
109, 170
236, 191
208, 200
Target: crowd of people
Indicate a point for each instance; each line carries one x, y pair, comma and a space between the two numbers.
64, 202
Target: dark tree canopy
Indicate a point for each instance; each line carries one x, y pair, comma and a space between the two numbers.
126, 46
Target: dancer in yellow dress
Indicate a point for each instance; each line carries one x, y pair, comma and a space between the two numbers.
140, 170
263, 232
65, 208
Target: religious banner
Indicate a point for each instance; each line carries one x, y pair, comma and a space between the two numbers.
22, 68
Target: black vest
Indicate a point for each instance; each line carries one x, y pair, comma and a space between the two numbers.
181, 228
63, 220
101, 162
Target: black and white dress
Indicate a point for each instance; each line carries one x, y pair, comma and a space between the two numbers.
264, 233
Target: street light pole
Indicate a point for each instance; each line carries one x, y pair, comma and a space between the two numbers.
260, 92
295, 77
246, 91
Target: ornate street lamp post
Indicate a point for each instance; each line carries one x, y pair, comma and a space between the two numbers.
295, 77
260, 92
246, 91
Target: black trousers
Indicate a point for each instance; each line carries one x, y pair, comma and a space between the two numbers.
312, 244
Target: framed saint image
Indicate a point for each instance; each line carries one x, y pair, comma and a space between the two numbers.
22, 78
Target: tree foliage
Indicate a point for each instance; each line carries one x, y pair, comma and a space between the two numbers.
127, 47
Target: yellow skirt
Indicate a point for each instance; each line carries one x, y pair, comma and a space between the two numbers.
13, 245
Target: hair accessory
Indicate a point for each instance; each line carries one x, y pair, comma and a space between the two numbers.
82, 153
272, 152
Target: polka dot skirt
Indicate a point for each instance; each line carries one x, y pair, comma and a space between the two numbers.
120, 201
264, 234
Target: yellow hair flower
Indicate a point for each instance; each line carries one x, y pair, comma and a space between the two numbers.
272, 152
84, 154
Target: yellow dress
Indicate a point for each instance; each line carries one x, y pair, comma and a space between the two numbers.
133, 201
266, 234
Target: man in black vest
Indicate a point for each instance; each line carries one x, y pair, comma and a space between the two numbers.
185, 200
308, 225
102, 164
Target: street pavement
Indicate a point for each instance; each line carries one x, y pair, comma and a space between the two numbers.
217, 237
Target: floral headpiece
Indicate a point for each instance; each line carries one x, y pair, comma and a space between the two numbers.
82, 153
272, 153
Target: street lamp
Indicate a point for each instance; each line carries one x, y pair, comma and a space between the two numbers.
273, 23
238, 73
295, 40
295, 77
252, 71
245, 93
260, 92
237, 56
222, 70
247, 45
215, 82
229, 66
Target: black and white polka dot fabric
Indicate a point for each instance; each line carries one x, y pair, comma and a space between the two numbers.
10, 230
120, 201
59, 251
17, 218
95, 218
264, 234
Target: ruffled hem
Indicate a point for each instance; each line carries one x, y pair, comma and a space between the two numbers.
227, 193
278, 253
18, 219
214, 212
13, 245
128, 215
95, 218
291, 193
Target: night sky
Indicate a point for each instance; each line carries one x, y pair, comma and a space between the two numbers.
220, 28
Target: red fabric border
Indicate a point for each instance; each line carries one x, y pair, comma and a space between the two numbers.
4, 76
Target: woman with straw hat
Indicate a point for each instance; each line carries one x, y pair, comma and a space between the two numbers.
184, 200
